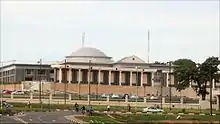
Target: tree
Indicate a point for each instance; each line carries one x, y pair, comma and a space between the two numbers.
206, 72
184, 70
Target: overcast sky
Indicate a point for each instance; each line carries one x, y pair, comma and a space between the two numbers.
52, 30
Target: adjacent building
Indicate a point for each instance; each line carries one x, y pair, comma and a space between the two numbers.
26, 72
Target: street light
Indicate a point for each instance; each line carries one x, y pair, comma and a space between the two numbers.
40, 86
137, 67
169, 78
65, 82
89, 79
1, 77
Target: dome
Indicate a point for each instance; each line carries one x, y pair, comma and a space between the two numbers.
88, 52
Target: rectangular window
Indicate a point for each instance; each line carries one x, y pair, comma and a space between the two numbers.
52, 71
28, 71
41, 71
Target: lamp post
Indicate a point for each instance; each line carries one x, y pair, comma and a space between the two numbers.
136, 87
40, 86
65, 81
89, 76
170, 92
210, 84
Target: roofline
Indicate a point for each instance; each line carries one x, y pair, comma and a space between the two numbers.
89, 57
23, 64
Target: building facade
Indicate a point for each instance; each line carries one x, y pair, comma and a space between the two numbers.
26, 72
90, 65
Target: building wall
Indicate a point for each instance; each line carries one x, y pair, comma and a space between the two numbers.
83, 89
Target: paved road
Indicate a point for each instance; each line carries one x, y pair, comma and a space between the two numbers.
9, 119
46, 117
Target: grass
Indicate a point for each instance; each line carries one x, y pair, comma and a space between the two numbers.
147, 118
113, 108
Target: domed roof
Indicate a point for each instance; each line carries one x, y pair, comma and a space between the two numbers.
88, 52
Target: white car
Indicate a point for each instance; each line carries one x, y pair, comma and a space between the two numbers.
115, 96
18, 92
153, 110
104, 95
134, 97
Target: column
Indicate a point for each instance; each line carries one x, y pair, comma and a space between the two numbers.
31, 95
70, 75
119, 78
55, 75
89, 76
213, 83
79, 76
168, 78
109, 78
99, 77
60, 75
152, 79
70, 97
131, 80
218, 102
142, 78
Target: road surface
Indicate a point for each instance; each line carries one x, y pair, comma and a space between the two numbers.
9, 119
46, 117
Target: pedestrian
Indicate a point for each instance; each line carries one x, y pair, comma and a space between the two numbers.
83, 109
76, 107
129, 108
108, 108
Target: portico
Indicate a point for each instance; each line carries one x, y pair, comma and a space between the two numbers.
105, 71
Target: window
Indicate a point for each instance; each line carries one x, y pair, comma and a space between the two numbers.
51, 71
28, 71
41, 71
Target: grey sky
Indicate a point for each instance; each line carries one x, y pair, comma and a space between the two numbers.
52, 30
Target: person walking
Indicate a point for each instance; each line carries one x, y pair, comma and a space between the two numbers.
129, 108
76, 107
108, 108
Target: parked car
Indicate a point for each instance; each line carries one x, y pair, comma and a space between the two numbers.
154, 98
153, 110
134, 97
18, 92
7, 92
115, 96
104, 95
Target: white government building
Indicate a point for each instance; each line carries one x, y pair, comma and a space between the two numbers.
104, 71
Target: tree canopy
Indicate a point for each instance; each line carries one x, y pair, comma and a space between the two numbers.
186, 71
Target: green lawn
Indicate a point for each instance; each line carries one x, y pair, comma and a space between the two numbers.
115, 118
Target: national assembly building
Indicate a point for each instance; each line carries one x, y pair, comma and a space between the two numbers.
90, 65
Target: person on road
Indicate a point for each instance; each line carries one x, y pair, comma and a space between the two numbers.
129, 108
90, 110
108, 108
83, 109
76, 107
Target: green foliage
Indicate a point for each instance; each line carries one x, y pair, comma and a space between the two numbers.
183, 72
206, 72
186, 71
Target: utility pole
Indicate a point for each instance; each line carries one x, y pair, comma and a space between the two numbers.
159, 74
170, 84
40, 85
89, 76
136, 88
210, 84
65, 82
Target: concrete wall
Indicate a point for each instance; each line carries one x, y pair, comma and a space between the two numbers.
83, 89
11, 87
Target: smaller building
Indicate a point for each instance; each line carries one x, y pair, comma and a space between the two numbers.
26, 72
